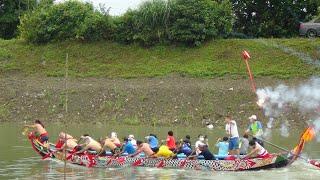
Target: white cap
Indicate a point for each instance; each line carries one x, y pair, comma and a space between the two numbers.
253, 117
130, 136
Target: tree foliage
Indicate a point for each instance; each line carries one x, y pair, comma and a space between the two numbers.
10, 11
68, 20
188, 22
273, 18
195, 21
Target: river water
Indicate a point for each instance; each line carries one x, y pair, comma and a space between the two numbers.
19, 161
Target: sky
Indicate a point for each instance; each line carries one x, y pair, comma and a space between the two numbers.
118, 7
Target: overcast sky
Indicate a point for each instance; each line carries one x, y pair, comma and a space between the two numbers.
117, 6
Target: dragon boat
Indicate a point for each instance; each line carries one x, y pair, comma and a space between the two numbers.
91, 160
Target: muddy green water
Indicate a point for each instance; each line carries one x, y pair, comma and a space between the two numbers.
19, 161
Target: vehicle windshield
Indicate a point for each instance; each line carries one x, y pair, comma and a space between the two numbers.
317, 20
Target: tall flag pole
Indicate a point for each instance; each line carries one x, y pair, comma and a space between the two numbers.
246, 56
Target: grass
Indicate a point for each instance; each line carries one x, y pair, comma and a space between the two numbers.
104, 59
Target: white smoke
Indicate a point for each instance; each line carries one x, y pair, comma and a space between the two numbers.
280, 101
268, 132
284, 129
316, 126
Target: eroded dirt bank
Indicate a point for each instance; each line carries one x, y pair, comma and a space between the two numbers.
153, 101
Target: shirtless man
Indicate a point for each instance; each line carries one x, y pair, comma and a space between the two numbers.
107, 143
40, 132
143, 147
66, 140
114, 138
89, 144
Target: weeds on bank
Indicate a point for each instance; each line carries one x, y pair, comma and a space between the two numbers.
105, 59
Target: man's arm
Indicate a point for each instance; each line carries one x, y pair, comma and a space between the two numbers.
136, 153
217, 143
102, 150
30, 126
252, 152
84, 148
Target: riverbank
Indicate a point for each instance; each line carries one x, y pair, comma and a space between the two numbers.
161, 85
279, 58
165, 101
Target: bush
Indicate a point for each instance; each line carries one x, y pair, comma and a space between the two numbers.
188, 22
95, 27
63, 21
195, 21
156, 21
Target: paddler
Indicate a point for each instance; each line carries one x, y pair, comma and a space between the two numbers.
114, 138
66, 140
89, 145
205, 152
108, 143
257, 151
127, 146
171, 142
145, 148
164, 152
40, 132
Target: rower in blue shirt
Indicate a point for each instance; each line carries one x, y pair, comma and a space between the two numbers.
153, 142
128, 147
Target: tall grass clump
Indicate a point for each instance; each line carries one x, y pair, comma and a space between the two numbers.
175, 21
147, 25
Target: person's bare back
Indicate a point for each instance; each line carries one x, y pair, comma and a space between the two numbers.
40, 129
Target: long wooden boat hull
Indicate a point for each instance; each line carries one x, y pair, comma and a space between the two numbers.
89, 160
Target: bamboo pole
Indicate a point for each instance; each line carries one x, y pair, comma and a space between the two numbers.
66, 111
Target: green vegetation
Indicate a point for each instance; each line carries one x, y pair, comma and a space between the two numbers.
157, 21
107, 59
10, 10
63, 21
275, 18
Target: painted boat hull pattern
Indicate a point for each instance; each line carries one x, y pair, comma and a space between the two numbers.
89, 160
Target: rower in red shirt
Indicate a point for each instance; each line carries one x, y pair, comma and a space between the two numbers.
171, 142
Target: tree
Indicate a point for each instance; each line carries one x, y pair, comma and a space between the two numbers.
10, 11
195, 21
63, 21
273, 18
